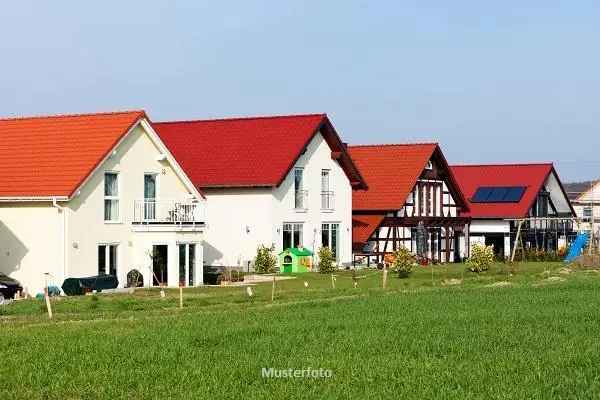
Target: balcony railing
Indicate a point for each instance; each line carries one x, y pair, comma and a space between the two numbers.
301, 200
327, 200
168, 212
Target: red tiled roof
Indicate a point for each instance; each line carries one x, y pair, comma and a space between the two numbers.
251, 151
471, 177
363, 227
52, 155
391, 172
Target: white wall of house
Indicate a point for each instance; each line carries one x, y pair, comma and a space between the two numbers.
31, 243
37, 237
239, 220
135, 156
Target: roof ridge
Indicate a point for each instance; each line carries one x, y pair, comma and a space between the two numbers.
520, 164
242, 118
394, 144
19, 118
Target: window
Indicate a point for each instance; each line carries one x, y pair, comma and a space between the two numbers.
149, 196
330, 237
292, 235
429, 165
299, 192
326, 193
587, 211
107, 259
187, 264
111, 196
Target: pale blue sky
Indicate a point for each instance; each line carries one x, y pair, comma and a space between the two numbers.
490, 82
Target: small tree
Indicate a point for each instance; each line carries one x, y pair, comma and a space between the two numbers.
265, 260
481, 258
403, 261
326, 261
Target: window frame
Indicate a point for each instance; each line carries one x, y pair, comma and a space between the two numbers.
112, 198
107, 247
299, 192
293, 231
328, 226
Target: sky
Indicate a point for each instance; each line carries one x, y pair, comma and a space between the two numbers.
503, 81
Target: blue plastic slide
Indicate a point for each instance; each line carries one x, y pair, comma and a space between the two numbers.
578, 245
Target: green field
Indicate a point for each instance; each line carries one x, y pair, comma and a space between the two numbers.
536, 337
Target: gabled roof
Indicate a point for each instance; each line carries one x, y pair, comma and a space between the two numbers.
251, 151
363, 226
51, 156
391, 171
532, 176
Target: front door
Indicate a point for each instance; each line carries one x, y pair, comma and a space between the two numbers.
160, 271
187, 264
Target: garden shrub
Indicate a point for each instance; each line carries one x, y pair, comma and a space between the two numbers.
403, 261
326, 261
265, 260
481, 258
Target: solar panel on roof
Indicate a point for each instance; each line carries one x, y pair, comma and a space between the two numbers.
481, 194
498, 194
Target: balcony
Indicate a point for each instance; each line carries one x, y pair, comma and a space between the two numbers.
327, 200
301, 200
168, 212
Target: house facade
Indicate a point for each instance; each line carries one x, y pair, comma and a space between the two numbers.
586, 205
283, 181
413, 202
500, 194
82, 195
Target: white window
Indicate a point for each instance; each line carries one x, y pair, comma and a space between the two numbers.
326, 192
107, 259
587, 211
330, 237
187, 264
292, 235
299, 192
150, 196
111, 196
429, 165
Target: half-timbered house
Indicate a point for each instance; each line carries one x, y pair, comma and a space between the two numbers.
413, 201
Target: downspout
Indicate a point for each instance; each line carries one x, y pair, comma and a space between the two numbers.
64, 235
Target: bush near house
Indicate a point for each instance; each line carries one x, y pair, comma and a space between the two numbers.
481, 258
403, 262
265, 260
326, 261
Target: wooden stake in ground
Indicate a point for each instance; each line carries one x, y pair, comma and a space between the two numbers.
47, 298
517, 238
384, 278
180, 296
354, 280
273, 290
332, 281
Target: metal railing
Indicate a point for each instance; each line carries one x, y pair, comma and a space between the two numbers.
301, 200
327, 200
168, 212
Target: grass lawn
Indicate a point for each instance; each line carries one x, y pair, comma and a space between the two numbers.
539, 337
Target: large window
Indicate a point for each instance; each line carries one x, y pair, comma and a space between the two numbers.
326, 193
187, 264
107, 259
330, 237
299, 192
292, 235
111, 196
149, 196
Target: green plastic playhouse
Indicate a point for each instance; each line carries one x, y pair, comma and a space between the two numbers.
295, 260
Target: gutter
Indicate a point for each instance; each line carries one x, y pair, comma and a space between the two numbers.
64, 235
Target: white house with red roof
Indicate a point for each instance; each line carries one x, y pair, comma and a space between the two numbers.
413, 202
89, 194
499, 194
282, 181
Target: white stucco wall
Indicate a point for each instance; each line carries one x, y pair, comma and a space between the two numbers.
134, 157
239, 220
489, 225
31, 244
